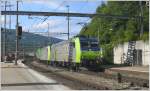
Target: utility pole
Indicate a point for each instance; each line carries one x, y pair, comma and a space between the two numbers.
48, 31
7, 39
10, 18
68, 20
5, 33
17, 24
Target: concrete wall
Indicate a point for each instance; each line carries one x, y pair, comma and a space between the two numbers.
121, 50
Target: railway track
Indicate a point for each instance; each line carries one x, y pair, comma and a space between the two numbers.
140, 82
73, 84
87, 79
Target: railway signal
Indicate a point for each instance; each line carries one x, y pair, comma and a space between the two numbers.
19, 31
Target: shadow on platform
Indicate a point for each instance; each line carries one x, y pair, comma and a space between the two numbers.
28, 84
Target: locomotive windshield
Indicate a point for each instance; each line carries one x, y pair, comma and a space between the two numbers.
84, 45
89, 44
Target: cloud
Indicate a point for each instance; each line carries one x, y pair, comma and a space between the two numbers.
8, 22
59, 25
52, 23
2, 20
51, 4
54, 5
55, 32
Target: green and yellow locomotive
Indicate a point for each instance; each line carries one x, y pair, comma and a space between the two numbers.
73, 53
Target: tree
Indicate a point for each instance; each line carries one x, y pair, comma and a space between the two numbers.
114, 31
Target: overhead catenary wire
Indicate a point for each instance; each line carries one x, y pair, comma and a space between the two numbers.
54, 10
48, 16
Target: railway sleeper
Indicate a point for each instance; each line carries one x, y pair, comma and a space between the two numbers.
69, 65
143, 83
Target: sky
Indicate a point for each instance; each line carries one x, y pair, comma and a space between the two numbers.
56, 24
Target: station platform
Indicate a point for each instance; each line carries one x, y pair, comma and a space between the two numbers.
141, 69
21, 77
136, 71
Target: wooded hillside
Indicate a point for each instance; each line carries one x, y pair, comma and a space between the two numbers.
113, 31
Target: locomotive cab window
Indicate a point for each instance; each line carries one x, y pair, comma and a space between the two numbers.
84, 45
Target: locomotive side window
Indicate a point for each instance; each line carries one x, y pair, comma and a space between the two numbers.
73, 45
